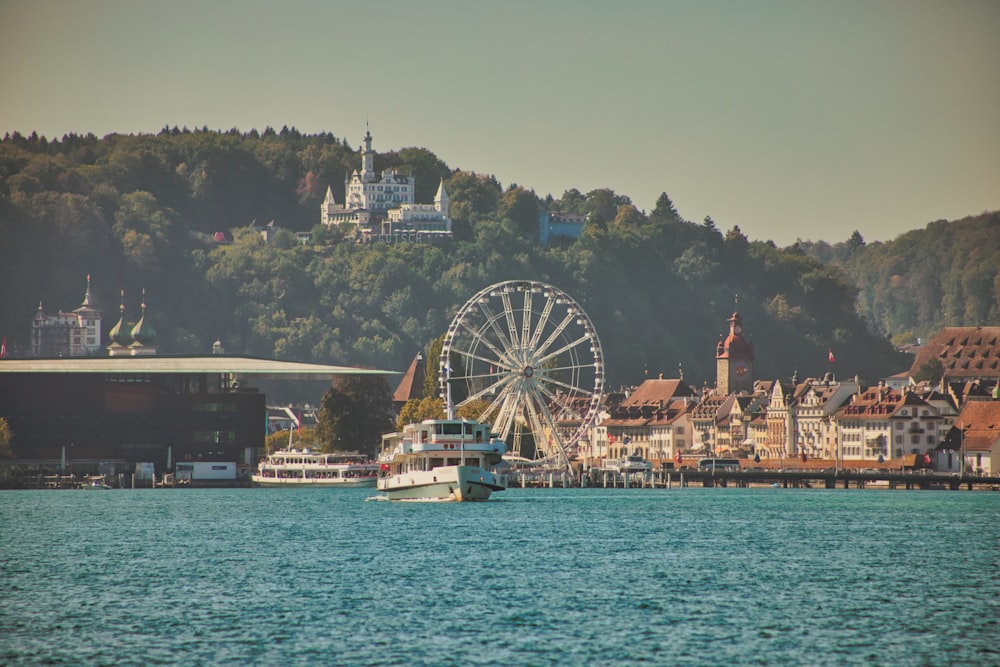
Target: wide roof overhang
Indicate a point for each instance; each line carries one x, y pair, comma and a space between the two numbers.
248, 367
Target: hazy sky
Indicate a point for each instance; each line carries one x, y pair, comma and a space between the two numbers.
799, 119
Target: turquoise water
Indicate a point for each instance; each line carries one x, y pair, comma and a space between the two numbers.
533, 577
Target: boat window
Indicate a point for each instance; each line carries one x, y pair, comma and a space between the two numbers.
437, 463
452, 428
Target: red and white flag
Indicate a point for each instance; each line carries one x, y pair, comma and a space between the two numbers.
829, 354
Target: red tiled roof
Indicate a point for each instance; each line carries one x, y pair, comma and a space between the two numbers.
980, 420
963, 351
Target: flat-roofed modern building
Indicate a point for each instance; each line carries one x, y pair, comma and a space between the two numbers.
149, 409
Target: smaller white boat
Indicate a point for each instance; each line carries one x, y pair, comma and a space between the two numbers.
302, 467
630, 464
441, 459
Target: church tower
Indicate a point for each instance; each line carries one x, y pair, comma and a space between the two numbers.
734, 360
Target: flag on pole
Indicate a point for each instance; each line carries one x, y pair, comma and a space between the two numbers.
829, 354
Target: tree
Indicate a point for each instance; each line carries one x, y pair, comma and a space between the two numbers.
354, 413
418, 409
432, 360
665, 209
521, 207
932, 371
473, 196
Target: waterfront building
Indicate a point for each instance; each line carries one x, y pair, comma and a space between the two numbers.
90, 412
704, 422
653, 421
382, 207
73, 334
979, 437
812, 415
780, 442
734, 434
887, 424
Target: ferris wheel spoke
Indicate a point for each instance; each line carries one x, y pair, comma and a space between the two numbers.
503, 355
467, 355
543, 424
497, 387
508, 312
555, 353
508, 411
573, 389
543, 319
560, 328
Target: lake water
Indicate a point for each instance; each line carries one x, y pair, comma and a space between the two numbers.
533, 577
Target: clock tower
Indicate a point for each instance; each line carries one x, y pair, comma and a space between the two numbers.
734, 360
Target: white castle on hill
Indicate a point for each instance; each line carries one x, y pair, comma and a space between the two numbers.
382, 207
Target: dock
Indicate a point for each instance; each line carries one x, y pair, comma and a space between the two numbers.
797, 479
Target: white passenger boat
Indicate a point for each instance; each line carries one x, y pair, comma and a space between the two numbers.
441, 459
302, 467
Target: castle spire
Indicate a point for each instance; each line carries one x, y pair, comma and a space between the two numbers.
86, 297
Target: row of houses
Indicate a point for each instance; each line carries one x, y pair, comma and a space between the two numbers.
843, 423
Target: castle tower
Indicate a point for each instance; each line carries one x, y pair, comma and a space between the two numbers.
368, 159
734, 360
441, 200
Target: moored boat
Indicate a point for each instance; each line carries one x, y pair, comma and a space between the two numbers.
441, 459
302, 467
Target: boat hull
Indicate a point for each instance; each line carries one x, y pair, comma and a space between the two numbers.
457, 483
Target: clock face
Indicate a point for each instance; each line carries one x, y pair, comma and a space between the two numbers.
738, 329
741, 369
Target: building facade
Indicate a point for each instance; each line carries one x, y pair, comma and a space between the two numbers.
73, 334
382, 207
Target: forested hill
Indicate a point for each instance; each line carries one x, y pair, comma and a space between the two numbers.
947, 274
141, 212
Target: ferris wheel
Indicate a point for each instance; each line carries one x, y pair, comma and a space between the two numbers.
528, 357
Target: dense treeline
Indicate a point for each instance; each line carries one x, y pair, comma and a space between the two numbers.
947, 274
141, 212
